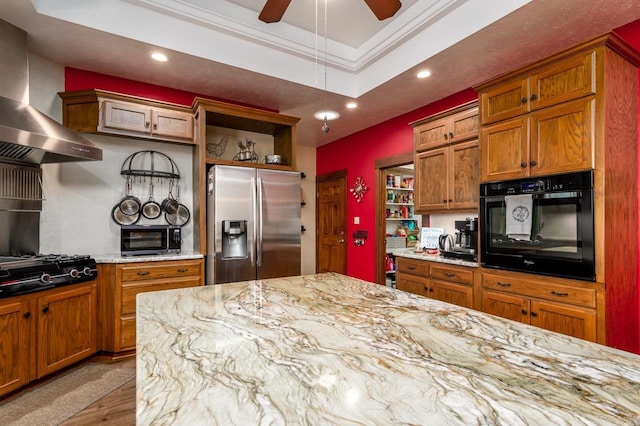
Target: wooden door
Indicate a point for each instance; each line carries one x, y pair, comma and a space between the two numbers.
173, 124
129, 117
458, 294
463, 175
562, 139
566, 319
506, 306
506, 100
331, 223
15, 320
431, 189
504, 150
562, 81
464, 126
432, 134
66, 327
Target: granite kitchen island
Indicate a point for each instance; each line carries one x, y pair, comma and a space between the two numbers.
329, 349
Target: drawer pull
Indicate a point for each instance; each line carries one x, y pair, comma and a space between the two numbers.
183, 270
449, 274
411, 268
503, 284
559, 293
143, 273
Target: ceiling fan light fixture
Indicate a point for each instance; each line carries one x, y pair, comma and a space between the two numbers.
326, 115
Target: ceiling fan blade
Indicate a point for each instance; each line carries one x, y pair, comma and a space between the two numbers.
383, 9
273, 10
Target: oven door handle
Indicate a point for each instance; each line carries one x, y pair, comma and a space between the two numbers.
557, 195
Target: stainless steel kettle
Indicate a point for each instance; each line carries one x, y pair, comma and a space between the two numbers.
445, 242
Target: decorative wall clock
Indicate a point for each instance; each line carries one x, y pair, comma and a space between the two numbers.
358, 188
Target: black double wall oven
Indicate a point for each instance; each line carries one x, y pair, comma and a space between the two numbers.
541, 225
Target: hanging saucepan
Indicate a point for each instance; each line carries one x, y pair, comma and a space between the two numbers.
130, 205
181, 216
170, 205
123, 219
151, 209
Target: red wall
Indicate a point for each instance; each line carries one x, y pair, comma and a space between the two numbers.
357, 154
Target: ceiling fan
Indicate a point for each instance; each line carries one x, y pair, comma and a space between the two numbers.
274, 9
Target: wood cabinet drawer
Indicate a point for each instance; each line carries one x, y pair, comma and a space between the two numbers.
541, 289
413, 266
129, 291
150, 271
448, 273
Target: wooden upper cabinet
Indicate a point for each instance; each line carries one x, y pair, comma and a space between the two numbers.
451, 126
560, 81
558, 139
446, 161
112, 113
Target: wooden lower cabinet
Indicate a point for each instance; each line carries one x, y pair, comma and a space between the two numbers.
15, 343
554, 306
43, 332
122, 282
444, 282
67, 323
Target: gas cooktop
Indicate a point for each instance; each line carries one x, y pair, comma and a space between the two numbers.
26, 274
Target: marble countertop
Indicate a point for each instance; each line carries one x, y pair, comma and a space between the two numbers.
329, 349
118, 258
433, 257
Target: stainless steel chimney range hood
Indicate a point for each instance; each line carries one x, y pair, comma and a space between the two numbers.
26, 134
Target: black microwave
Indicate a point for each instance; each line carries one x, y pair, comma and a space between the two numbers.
136, 240
541, 225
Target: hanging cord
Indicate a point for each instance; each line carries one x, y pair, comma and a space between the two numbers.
325, 124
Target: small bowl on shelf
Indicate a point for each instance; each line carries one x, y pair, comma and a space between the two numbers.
273, 159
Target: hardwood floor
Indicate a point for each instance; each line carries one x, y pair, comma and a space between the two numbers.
117, 409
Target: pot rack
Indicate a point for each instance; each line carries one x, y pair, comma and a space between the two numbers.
140, 158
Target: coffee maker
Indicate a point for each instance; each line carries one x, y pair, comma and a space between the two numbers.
465, 245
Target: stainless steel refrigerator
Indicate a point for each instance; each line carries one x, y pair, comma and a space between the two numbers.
253, 224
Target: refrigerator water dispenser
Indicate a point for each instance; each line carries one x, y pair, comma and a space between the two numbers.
234, 239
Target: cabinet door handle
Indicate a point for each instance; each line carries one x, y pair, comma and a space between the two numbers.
146, 124
523, 164
450, 135
559, 293
446, 136
533, 163
533, 97
431, 290
143, 273
524, 312
523, 100
183, 270
444, 201
155, 126
27, 314
426, 288
503, 284
533, 314
449, 274
45, 309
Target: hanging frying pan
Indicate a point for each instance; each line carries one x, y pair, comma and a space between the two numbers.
123, 219
181, 216
170, 204
151, 209
130, 205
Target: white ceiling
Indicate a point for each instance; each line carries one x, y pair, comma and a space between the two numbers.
220, 48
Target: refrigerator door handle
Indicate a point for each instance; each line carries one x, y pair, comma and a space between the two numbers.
260, 204
252, 253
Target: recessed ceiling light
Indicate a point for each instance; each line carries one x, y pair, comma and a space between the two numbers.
352, 105
159, 57
424, 74
329, 115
